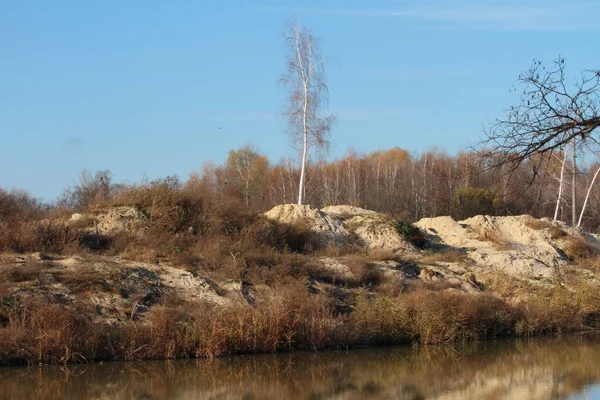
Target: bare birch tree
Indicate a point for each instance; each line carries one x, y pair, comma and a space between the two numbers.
305, 79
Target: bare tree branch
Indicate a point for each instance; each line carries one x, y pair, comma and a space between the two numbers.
549, 116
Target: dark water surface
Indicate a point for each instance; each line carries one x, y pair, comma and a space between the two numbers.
556, 368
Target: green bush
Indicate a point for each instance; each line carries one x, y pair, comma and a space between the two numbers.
411, 234
470, 201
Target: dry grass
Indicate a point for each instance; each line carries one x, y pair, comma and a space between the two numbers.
539, 224
505, 286
44, 236
576, 248
47, 333
590, 263
431, 317
538, 310
432, 285
288, 320
381, 255
28, 271
558, 310
450, 255
490, 235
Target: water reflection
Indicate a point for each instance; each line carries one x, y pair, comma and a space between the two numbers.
536, 369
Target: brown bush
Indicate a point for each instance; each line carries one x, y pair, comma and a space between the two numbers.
44, 236
576, 248
371, 275
165, 205
293, 237
47, 334
18, 206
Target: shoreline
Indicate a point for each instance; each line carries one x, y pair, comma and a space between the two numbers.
296, 278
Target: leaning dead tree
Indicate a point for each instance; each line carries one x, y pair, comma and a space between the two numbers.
551, 115
306, 82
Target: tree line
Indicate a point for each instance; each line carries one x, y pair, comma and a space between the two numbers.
406, 185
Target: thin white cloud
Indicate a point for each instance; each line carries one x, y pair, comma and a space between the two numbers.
480, 16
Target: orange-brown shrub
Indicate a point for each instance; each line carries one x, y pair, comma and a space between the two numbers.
577, 248
44, 236
46, 333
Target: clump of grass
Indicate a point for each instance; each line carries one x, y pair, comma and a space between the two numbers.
433, 285
450, 255
381, 255
591, 263
556, 232
82, 279
577, 249
505, 286
539, 224
290, 321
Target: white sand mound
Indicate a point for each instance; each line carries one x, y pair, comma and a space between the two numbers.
346, 211
374, 230
337, 223
331, 228
520, 246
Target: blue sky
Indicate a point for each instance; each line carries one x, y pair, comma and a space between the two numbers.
142, 87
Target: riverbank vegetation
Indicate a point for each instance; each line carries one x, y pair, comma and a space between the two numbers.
34, 332
289, 300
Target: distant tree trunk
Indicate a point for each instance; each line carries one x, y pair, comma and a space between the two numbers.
573, 189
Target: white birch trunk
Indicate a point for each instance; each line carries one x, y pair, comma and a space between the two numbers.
560, 186
303, 170
587, 195
305, 81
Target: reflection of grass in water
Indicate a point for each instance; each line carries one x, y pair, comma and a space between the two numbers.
553, 368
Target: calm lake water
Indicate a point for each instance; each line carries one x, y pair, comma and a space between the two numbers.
557, 368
